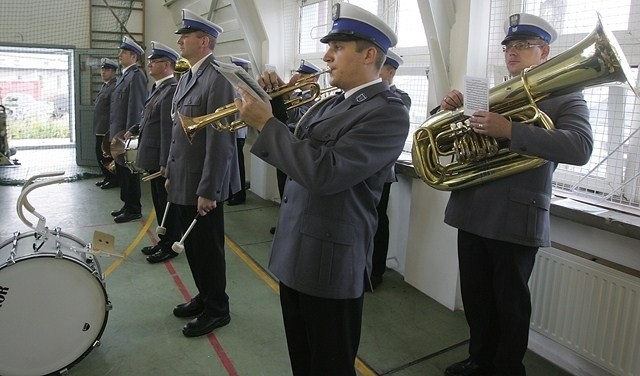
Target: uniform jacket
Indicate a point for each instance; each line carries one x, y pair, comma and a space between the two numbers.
101, 109
336, 170
127, 100
516, 208
208, 166
154, 130
406, 99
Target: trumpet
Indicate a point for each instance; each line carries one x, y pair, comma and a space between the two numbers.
191, 125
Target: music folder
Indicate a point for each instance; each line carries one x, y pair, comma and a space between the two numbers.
240, 78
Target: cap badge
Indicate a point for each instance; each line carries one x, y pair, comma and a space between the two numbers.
335, 12
514, 20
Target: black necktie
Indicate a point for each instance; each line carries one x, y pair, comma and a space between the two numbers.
153, 88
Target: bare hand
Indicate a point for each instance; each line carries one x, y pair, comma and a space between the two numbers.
167, 185
454, 99
270, 81
491, 124
205, 205
254, 112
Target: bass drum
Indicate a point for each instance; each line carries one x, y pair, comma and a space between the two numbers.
53, 304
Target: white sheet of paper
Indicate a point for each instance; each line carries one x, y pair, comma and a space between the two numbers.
476, 95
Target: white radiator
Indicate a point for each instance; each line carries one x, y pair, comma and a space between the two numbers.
589, 308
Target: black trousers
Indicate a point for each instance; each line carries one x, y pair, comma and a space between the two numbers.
243, 178
381, 238
172, 225
129, 189
108, 175
204, 247
323, 335
497, 303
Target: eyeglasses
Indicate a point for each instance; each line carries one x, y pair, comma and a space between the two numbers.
519, 46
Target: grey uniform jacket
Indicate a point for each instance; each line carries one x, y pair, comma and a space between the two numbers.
516, 208
208, 166
336, 169
406, 99
127, 100
155, 127
101, 108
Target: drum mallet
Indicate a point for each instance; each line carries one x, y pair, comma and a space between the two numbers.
161, 230
178, 247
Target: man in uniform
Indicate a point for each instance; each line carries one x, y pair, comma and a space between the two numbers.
127, 103
154, 139
337, 162
101, 113
381, 239
201, 174
501, 223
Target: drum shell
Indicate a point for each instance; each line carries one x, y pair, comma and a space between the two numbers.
53, 304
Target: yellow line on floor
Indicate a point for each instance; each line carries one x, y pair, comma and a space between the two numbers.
133, 244
361, 367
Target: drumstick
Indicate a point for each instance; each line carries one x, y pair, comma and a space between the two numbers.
161, 230
178, 247
150, 177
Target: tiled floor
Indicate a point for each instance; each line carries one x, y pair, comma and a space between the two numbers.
404, 332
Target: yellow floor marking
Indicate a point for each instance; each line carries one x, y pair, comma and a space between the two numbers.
133, 245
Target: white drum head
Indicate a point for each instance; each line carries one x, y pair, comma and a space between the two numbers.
53, 313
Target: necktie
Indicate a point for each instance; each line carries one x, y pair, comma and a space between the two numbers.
153, 88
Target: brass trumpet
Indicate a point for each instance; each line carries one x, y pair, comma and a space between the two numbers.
191, 125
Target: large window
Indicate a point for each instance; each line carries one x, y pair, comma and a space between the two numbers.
404, 17
611, 176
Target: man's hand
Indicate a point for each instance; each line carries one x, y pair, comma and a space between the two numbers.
205, 205
491, 124
252, 111
454, 99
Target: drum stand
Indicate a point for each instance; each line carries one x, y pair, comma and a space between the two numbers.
41, 229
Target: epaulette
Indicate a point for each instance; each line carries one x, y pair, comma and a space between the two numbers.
393, 99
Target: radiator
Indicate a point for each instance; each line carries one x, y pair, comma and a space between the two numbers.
589, 308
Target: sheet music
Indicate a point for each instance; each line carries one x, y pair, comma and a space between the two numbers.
240, 78
476, 95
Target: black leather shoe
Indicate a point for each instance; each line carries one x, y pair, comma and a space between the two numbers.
127, 217
188, 309
109, 184
467, 367
236, 200
115, 213
204, 324
161, 255
102, 182
150, 249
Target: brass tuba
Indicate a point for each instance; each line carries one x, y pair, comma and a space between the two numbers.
191, 125
477, 159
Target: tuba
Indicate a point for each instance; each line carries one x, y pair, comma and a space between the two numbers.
191, 125
476, 159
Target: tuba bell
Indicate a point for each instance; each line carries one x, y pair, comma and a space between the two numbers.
476, 159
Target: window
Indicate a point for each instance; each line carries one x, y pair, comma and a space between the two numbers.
610, 178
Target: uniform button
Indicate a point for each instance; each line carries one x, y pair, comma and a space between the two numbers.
173, 159
523, 148
285, 199
534, 202
290, 179
327, 235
